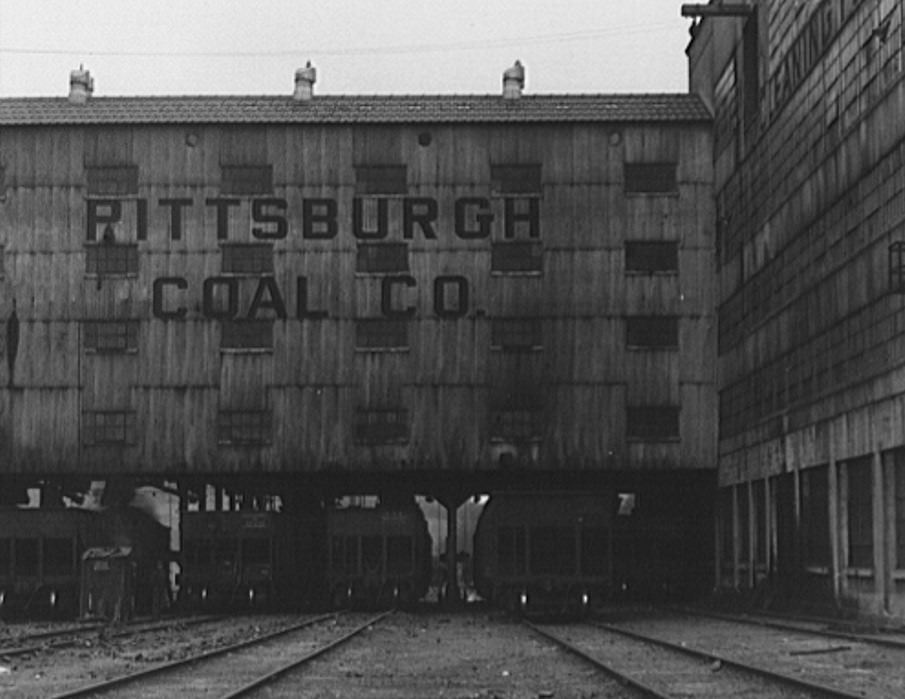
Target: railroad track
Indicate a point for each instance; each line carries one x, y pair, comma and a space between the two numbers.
238, 669
27, 644
815, 627
665, 670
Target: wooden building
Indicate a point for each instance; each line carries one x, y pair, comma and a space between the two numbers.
427, 289
809, 145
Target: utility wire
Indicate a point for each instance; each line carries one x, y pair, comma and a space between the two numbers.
473, 45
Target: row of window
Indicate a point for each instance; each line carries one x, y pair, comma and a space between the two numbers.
121, 259
855, 482
388, 180
377, 425
506, 334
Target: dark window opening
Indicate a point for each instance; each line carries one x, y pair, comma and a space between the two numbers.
897, 268
516, 334
381, 179
652, 256
112, 180
111, 336
744, 523
246, 335
381, 425
650, 178
552, 551
516, 179
382, 257
111, 259
247, 258
726, 519
815, 516
244, 427
517, 424
101, 427
899, 466
652, 331
653, 423
516, 257
381, 334
760, 523
860, 514
246, 179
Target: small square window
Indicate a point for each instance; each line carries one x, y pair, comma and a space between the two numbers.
111, 259
246, 335
111, 336
652, 331
516, 179
112, 180
653, 423
100, 427
517, 424
516, 334
247, 258
381, 426
650, 178
246, 179
651, 256
516, 258
245, 427
381, 334
381, 179
382, 257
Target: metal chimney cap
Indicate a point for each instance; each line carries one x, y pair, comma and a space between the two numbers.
514, 80
81, 85
304, 82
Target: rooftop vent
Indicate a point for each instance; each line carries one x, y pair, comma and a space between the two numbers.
514, 81
304, 83
81, 85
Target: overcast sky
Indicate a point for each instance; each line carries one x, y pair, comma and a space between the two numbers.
178, 47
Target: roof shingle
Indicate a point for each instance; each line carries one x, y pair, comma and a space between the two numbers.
342, 109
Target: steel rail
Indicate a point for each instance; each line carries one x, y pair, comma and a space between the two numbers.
274, 675
816, 687
618, 675
122, 680
774, 623
74, 635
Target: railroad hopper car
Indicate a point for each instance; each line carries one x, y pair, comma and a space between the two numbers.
377, 556
545, 552
41, 552
250, 559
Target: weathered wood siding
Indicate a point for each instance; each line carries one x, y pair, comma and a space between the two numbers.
177, 382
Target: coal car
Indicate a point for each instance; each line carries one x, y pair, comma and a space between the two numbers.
42, 551
250, 559
377, 556
545, 552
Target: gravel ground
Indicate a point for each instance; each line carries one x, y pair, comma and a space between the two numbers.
873, 671
460, 656
468, 655
46, 673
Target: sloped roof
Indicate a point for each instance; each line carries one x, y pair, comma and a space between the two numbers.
342, 109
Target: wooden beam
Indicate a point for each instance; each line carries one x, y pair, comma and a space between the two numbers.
730, 9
